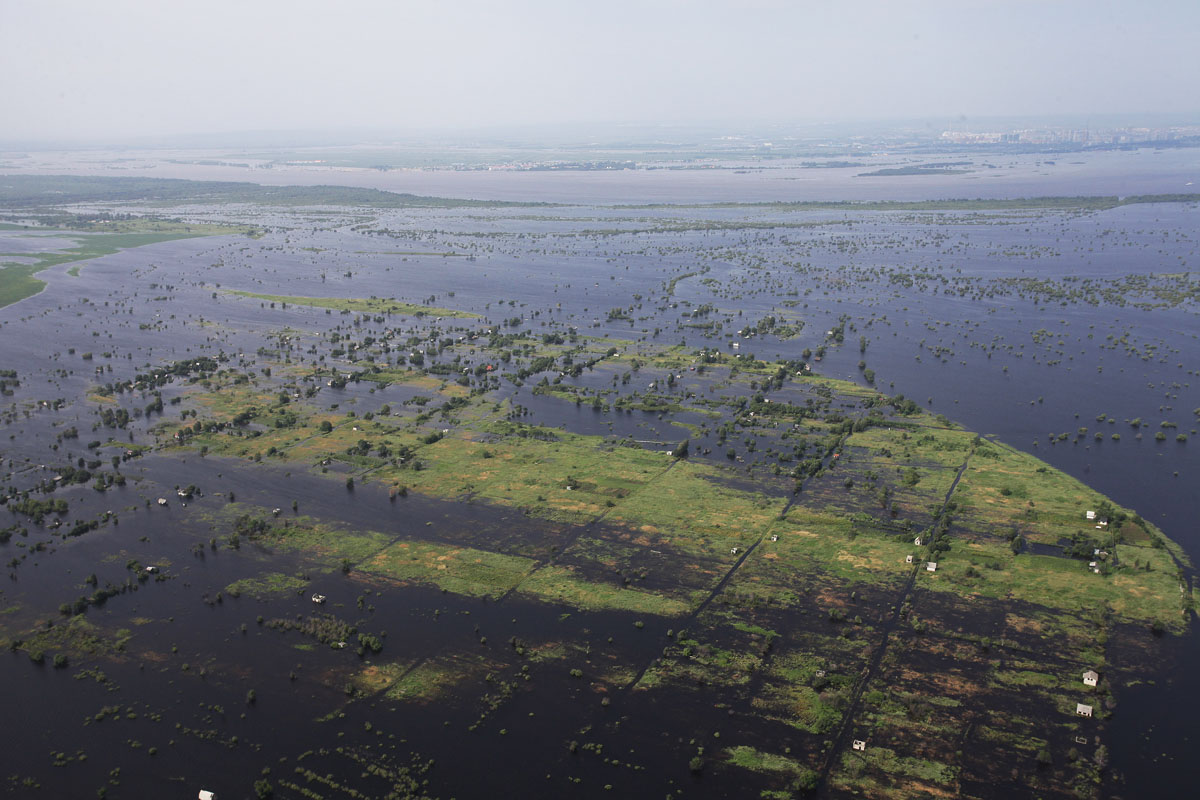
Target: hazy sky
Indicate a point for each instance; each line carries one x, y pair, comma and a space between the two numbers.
86, 68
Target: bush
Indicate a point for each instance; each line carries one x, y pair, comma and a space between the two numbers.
807, 780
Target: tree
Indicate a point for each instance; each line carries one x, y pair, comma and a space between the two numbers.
807, 780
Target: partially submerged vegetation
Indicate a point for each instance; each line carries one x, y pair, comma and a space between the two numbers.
372, 305
662, 555
804, 601
16, 277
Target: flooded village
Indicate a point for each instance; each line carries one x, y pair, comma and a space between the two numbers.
332, 492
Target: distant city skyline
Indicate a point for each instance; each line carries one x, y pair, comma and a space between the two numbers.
79, 71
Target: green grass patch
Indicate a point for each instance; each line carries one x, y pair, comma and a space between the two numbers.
270, 584
888, 761
435, 678
756, 760
1066, 584
462, 570
369, 305
561, 585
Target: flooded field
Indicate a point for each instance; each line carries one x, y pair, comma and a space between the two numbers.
320, 500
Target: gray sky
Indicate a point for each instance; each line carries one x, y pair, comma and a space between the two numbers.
103, 68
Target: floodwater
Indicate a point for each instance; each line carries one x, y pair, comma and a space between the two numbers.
978, 316
1120, 172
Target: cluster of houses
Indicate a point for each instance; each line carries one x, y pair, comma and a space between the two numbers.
1100, 555
1090, 678
930, 566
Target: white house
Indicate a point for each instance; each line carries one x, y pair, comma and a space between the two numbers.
859, 744
931, 566
1091, 678
1082, 710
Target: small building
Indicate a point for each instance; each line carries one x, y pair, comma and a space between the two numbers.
859, 744
908, 559
775, 537
733, 551
1091, 515
931, 566
1082, 710
318, 598
207, 795
1091, 677
162, 501
917, 541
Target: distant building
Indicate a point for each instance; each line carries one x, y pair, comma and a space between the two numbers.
859, 744
931, 566
1082, 710
1091, 677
